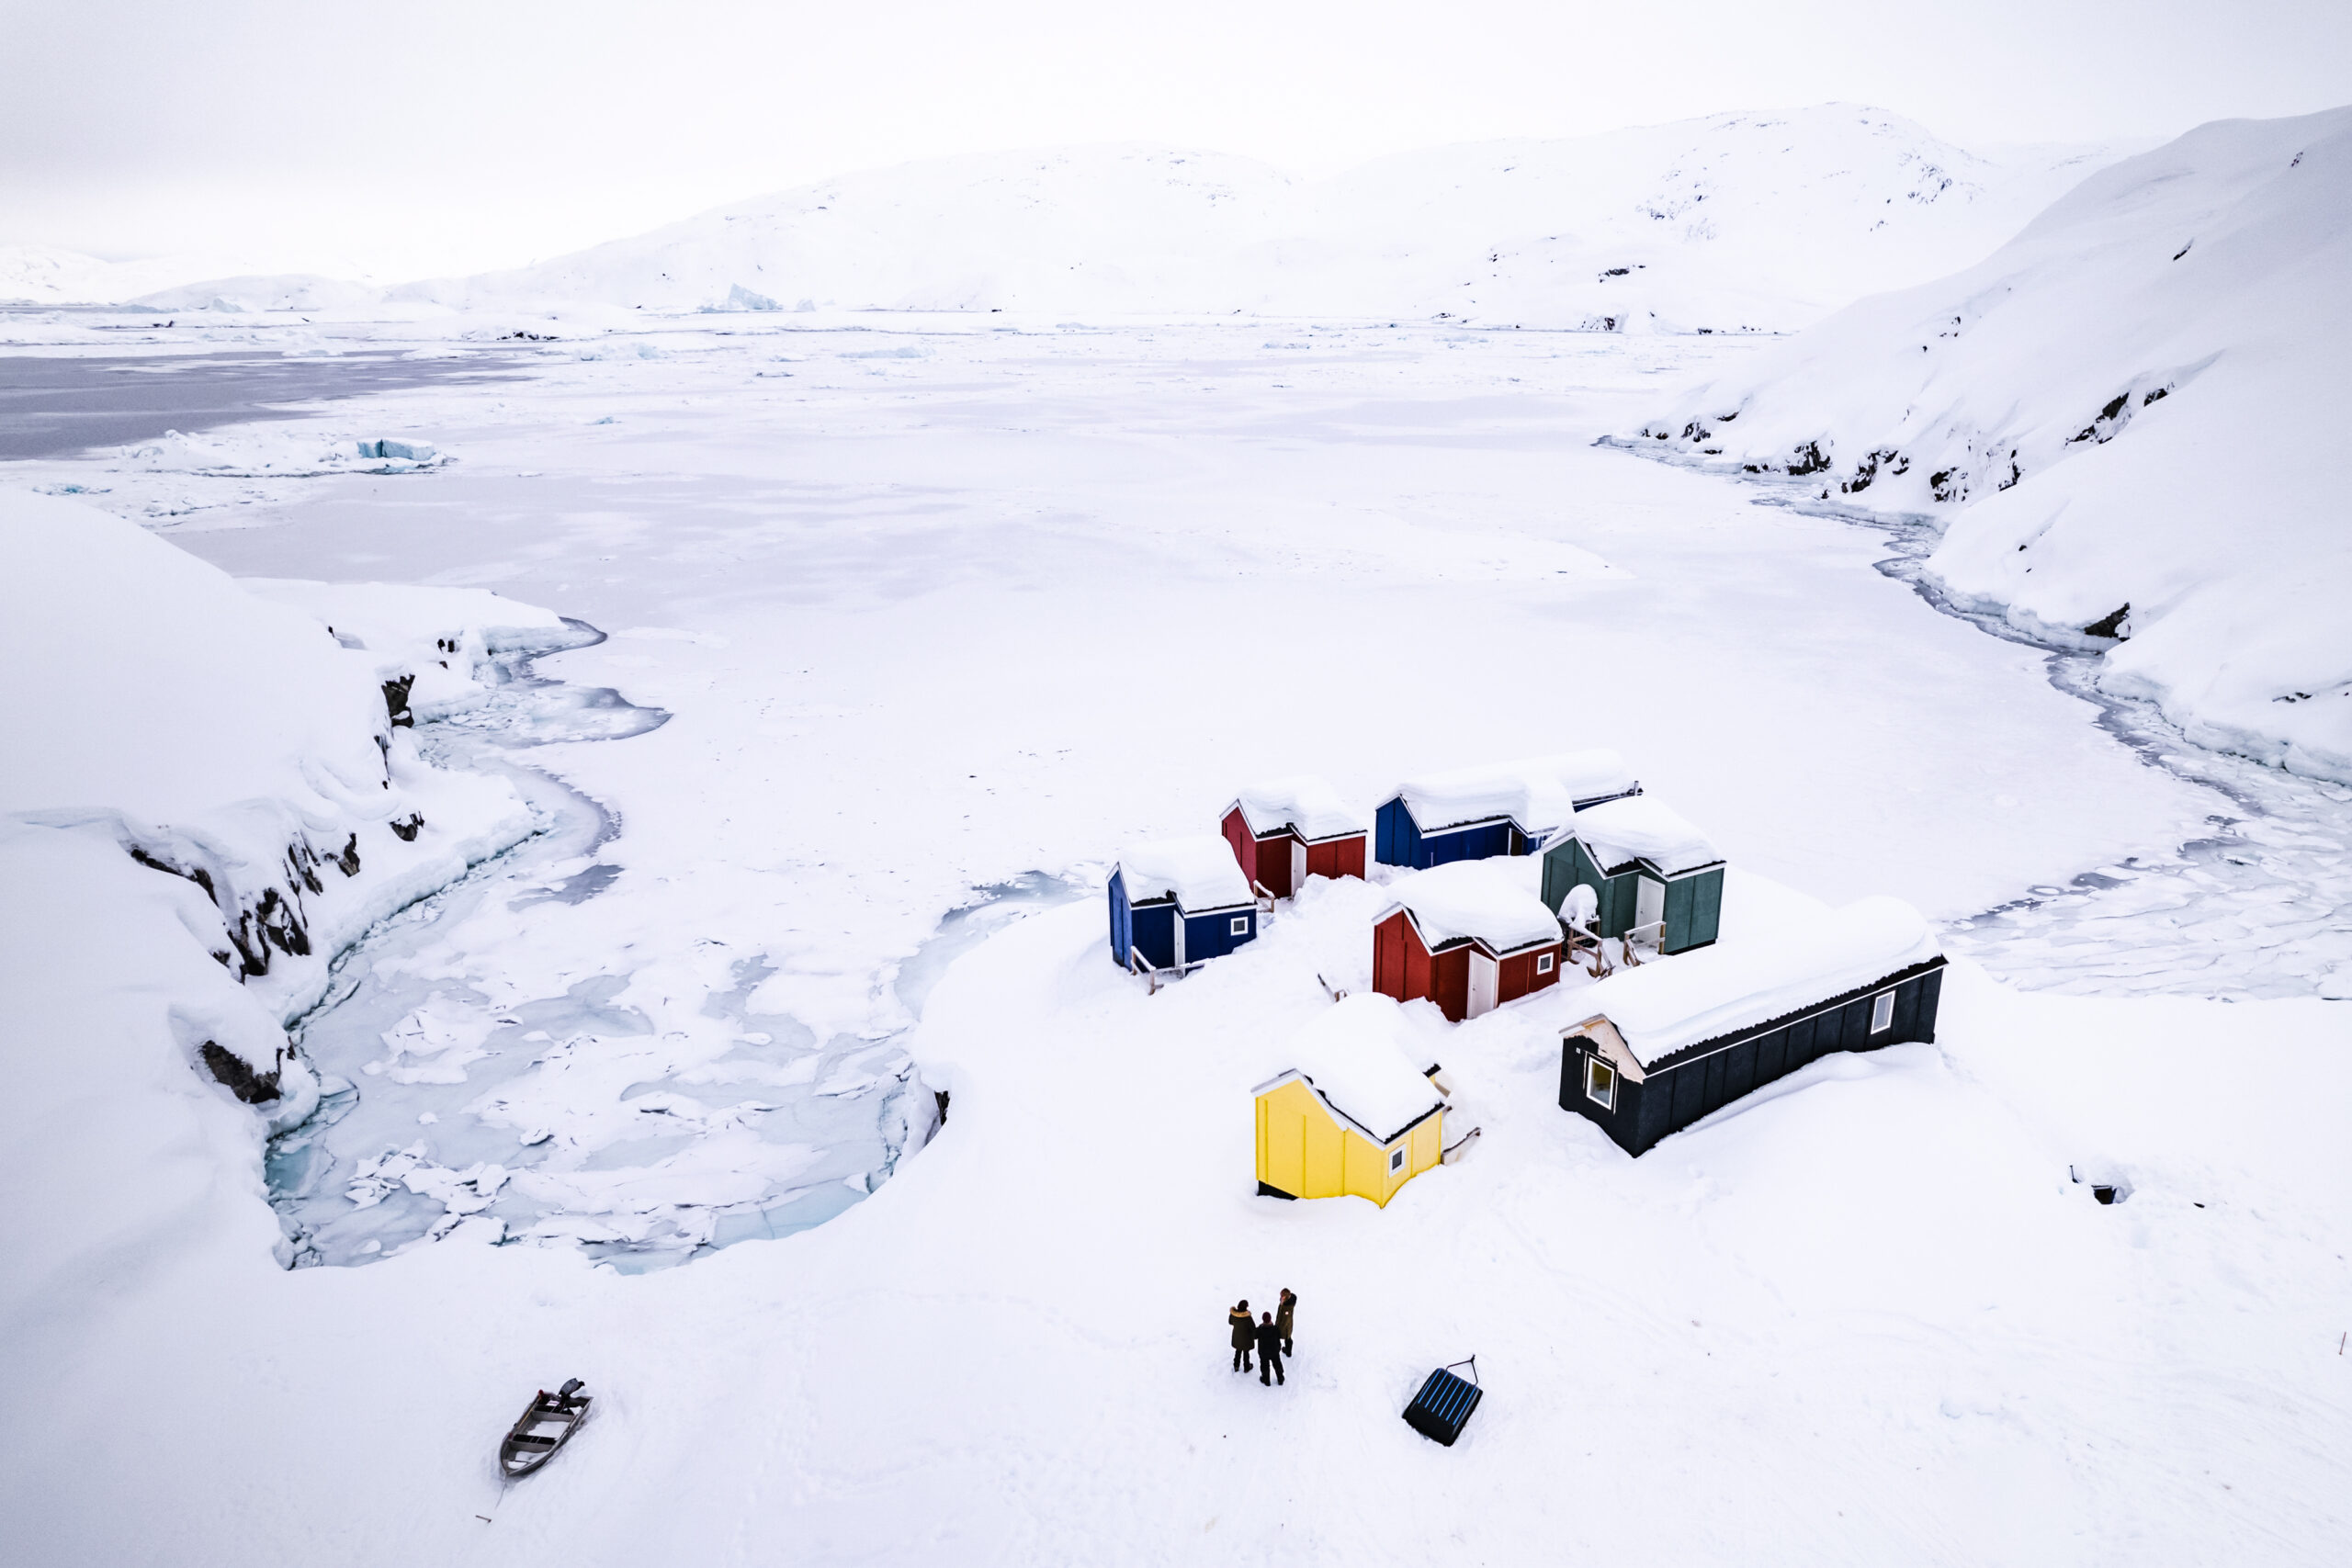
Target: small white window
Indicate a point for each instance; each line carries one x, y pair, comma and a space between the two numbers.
1396, 1159
1240, 925
1600, 1083
1543, 963
1882, 1012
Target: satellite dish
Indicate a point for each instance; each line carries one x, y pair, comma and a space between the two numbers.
1581, 905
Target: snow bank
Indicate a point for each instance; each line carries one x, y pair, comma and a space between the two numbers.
1304, 802
1662, 1008
439, 640
1365, 1057
1540, 793
1484, 900
142, 678
1642, 828
2131, 410
1200, 872
156, 709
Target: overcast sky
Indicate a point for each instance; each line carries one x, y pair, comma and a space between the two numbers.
394, 140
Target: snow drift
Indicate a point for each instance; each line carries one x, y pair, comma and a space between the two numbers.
156, 709
1740, 221
2130, 416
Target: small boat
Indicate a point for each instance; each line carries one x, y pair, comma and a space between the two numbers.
545, 1426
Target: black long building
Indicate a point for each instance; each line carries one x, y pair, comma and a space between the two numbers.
1679, 1039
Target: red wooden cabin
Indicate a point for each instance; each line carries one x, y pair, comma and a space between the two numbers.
1289, 829
1467, 936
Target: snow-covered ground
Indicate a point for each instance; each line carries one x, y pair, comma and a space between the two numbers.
2126, 417
936, 608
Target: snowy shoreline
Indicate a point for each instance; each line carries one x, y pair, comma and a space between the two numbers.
2279, 872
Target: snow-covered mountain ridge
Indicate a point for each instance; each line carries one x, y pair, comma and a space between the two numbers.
1749, 221
2129, 414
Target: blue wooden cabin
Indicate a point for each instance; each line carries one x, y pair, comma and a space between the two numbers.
1507, 809
1178, 903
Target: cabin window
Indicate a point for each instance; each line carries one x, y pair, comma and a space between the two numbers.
1600, 1083
1240, 925
1543, 963
1882, 1012
1396, 1159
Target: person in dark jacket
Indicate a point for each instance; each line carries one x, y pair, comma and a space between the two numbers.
1242, 1333
1283, 1311
1269, 1349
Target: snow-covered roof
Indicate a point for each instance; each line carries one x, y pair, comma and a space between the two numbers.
1660, 1009
1538, 793
1360, 1054
1485, 899
1303, 801
1642, 828
1200, 872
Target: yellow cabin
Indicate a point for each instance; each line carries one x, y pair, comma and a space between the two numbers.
1355, 1115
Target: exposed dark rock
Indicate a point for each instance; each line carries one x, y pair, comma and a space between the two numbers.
2110, 623
396, 701
1866, 472
941, 1095
2151, 397
347, 863
234, 1074
201, 877
409, 827
1807, 459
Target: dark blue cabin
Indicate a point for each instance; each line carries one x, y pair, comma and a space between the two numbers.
1475, 812
1178, 903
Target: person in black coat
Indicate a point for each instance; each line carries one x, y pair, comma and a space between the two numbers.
1269, 1349
1242, 1332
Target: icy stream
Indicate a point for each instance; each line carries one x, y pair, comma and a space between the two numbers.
2260, 908
458, 1094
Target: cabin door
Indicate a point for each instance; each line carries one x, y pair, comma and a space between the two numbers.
1649, 906
1484, 978
1297, 865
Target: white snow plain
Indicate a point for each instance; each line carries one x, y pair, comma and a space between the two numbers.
926, 600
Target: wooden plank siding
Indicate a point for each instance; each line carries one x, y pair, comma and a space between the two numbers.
1695, 1083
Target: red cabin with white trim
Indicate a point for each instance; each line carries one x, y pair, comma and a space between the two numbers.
1467, 936
1286, 830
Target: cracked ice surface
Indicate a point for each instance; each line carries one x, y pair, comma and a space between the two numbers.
2258, 906
472, 1077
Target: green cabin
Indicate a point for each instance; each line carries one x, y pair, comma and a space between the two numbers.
1647, 867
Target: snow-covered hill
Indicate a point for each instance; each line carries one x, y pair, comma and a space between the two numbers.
2129, 415
1740, 221
41, 275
